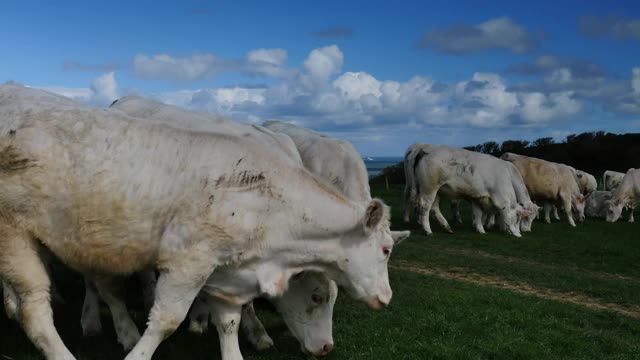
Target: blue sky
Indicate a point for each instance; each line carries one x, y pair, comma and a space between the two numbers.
381, 74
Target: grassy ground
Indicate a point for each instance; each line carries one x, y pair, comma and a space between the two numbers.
556, 293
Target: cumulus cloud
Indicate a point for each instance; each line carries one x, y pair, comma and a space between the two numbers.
268, 62
334, 32
324, 62
612, 26
166, 67
495, 34
104, 89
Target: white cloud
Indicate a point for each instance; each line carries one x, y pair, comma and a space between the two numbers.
104, 89
268, 62
324, 62
164, 66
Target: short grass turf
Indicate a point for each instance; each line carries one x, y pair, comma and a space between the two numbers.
447, 311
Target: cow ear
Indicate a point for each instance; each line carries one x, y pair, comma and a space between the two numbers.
399, 236
374, 214
579, 175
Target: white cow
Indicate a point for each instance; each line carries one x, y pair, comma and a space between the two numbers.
611, 180
411, 204
318, 339
627, 194
586, 182
550, 182
482, 179
597, 204
109, 194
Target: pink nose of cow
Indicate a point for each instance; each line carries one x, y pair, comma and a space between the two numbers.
377, 304
326, 349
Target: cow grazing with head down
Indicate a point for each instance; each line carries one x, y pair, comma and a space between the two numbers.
550, 182
483, 180
611, 180
627, 194
110, 194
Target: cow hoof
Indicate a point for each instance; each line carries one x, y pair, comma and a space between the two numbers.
264, 343
449, 231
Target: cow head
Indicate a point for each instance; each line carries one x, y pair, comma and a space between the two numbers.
577, 206
527, 215
366, 251
614, 210
307, 309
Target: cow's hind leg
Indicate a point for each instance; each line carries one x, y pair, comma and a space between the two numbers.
566, 207
111, 290
226, 318
24, 271
555, 213
547, 212
455, 210
477, 218
438, 214
254, 330
631, 219
90, 319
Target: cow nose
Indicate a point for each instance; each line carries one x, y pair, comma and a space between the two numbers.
377, 303
327, 348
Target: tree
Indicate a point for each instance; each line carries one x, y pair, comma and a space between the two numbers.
491, 147
544, 141
514, 146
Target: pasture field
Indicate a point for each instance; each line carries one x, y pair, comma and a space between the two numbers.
556, 293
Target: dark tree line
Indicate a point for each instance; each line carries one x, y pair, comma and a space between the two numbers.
593, 152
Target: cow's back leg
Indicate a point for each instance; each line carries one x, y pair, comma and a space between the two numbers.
199, 316
254, 330
90, 318
438, 214
408, 202
556, 216
476, 212
631, 219
547, 212
24, 271
10, 301
111, 291
455, 210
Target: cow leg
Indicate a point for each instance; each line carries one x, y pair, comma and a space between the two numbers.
491, 220
631, 220
476, 212
254, 330
178, 285
148, 281
24, 271
455, 210
426, 202
566, 206
110, 289
199, 316
438, 214
555, 213
408, 204
90, 319
11, 301
547, 212
226, 318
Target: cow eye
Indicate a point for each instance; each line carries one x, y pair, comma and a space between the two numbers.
317, 299
386, 251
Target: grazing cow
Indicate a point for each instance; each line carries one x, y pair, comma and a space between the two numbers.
611, 180
482, 179
627, 194
318, 339
586, 182
550, 182
410, 199
597, 204
110, 194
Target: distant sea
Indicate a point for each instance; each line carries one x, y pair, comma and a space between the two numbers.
375, 164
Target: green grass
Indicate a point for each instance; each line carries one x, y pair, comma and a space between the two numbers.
436, 317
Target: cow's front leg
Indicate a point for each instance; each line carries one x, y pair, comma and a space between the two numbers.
226, 317
476, 212
438, 214
631, 215
90, 318
547, 212
254, 330
199, 316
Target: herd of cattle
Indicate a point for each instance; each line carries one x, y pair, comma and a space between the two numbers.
211, 214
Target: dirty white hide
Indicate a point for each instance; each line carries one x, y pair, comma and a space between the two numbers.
550, 182
611, 180
313, 331
627, 194
111, 194
483, 180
